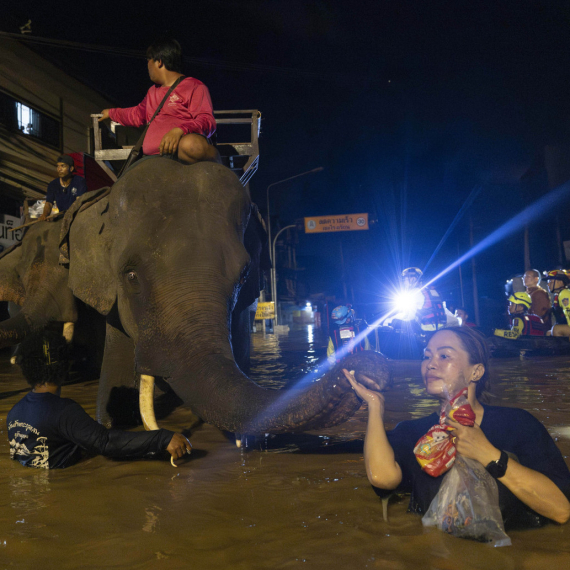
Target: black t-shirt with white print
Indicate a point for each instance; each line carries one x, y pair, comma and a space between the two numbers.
49, 432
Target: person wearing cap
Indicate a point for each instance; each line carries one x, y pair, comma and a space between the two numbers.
345, 334
430, 314
523, 323
559, 285
540, 298
63, 190
48, 432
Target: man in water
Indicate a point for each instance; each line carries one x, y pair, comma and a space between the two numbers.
47, 432
540, 299
185, 123
63, 190
345, 333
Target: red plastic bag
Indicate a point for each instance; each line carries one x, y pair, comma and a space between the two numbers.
435, 451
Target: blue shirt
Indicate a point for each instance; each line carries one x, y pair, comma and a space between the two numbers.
64, 197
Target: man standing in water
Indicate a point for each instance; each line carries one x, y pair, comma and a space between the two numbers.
47, 432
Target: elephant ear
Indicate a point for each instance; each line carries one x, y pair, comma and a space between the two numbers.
85, 243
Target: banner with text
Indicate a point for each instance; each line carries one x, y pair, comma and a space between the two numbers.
9, 238
265, 311
345, 223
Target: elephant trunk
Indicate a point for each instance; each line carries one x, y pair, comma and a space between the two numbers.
220, 394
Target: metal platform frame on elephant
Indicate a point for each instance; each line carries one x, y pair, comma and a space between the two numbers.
241, 157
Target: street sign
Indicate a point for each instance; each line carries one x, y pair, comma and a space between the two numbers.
343, 223
265, 311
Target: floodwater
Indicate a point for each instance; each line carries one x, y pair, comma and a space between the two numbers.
285, 502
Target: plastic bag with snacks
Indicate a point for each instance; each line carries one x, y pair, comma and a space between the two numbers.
467, 505
435, 451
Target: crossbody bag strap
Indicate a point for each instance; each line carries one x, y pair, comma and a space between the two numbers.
139, 144
135, 151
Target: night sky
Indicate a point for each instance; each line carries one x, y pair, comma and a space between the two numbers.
408, 105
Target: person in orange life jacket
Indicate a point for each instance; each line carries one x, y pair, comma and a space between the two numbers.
463, 316
523, 323
345, 329
430, 313
559, 285
185, 123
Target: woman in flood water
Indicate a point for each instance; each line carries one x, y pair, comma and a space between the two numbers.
533, 488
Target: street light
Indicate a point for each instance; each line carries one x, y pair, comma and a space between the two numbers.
315, 170
274, 271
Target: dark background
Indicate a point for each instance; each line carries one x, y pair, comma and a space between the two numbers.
409, 106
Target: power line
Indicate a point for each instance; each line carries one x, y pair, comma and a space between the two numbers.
198, 61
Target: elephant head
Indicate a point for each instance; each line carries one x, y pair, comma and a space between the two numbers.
31, 277
163, 256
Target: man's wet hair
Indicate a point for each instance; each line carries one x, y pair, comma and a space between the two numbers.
44, 359
168, 51
475, 345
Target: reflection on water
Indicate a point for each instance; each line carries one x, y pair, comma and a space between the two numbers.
288, 501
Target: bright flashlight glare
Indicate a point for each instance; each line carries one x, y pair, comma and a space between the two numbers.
406, 303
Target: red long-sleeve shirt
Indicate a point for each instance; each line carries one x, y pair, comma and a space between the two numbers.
188, 107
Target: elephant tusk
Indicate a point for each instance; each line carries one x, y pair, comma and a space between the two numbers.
146, 402
172, 461
68, 330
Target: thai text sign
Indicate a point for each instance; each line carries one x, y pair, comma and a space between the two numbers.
345, 223
265, 311
9, 238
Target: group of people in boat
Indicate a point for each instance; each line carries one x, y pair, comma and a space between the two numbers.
537, 312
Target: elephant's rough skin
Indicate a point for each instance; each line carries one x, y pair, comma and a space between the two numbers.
172, 258
31, 277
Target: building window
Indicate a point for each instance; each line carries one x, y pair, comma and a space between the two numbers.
18, 116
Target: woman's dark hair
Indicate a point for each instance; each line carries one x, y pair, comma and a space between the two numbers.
44, 359
475, 345
168, 51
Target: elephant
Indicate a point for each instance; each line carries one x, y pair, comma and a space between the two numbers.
36, 287
31, 277
173, 258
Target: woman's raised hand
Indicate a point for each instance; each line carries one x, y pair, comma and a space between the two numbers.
372, 397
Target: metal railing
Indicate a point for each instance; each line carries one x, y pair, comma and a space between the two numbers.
241, 156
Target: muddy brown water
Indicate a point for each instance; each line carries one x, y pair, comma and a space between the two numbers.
285, 502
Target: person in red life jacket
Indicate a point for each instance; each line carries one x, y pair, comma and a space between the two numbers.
345, 329
65, 189
186, 121
541, 305
463, 316
523, 323
559, 285
430, 310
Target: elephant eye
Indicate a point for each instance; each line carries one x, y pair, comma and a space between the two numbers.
132, 276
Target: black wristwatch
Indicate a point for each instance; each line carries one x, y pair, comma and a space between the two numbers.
498, 468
